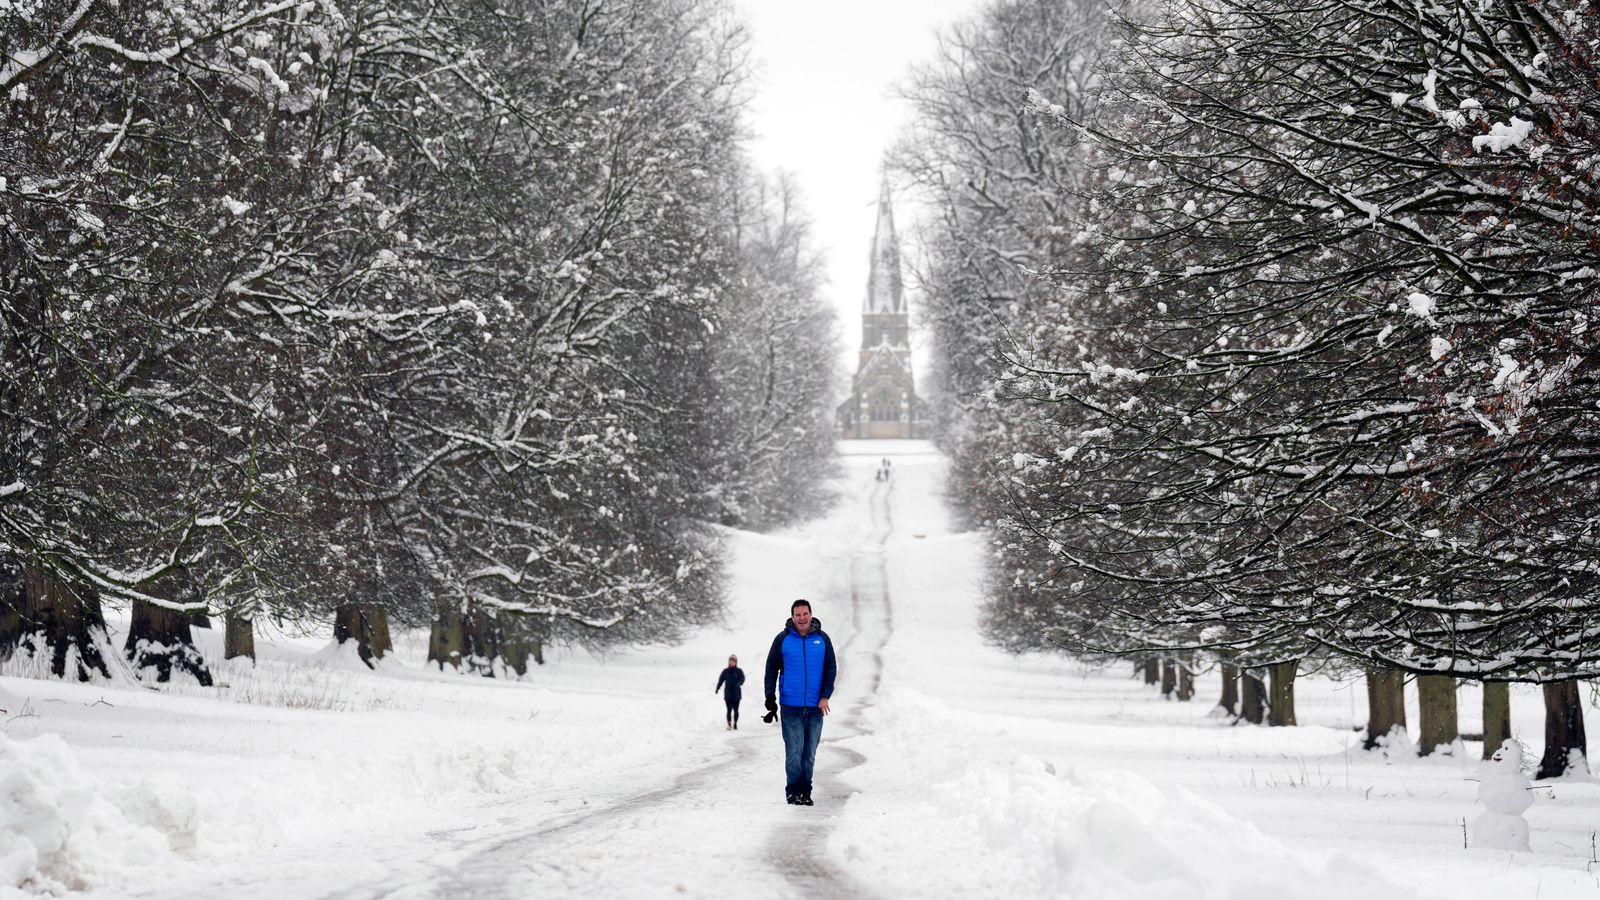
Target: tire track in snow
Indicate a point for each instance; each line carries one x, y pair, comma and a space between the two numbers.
496, 870
567, 851
564, 848
796, 848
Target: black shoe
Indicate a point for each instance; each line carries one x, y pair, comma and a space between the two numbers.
805, 800
793, 799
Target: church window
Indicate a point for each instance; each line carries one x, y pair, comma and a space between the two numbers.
885, 405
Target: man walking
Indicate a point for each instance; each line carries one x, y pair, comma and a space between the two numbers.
733, 678
803, 654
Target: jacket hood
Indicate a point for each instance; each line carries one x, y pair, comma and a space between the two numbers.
816, 625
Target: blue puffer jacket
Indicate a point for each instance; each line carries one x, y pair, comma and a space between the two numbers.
806, 662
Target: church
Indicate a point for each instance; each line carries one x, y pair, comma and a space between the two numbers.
883, 398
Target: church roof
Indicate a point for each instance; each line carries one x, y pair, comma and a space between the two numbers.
884, 293
883, 357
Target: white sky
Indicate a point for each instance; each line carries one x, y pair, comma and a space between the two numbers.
824, 111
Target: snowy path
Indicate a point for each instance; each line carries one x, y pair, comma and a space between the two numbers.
626, 844
794, 846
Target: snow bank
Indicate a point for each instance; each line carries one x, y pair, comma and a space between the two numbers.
955, 824
284, 760
60, 829
411, 769
26, 662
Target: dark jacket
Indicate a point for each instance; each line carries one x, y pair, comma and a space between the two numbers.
733, 677
807, 664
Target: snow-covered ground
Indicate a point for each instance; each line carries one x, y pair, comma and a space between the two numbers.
948, 768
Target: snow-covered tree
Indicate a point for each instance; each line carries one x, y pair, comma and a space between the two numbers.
1311, 380
993, 184
365, 311
775, 337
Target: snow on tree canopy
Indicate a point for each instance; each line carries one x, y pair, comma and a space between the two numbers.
1503, 136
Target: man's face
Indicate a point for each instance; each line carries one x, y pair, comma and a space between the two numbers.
802, 618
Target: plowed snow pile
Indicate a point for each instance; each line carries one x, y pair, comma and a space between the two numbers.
1033, 828
60, 830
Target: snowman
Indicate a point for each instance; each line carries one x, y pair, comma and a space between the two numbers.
1506, 794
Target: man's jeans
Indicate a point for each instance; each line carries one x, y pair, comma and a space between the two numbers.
802, 731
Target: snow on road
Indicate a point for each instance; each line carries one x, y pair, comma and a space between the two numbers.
948, 768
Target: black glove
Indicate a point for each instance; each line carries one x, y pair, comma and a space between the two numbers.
772, 710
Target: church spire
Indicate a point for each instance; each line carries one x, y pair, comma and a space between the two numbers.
883, 394
883, 283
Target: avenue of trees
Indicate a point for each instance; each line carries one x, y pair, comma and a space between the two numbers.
389, 312
1264, 340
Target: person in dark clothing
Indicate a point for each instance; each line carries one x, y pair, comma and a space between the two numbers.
803, 655
732, 678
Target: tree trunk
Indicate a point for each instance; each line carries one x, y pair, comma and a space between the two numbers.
1563, 731
1496, 716
516, 654
1386, 704
520, 641
1152, 671
238, 637
1436, 707
1252, 696
1230, 689
42, 616
1185, 683
480, 632
1169, 678
378, 621
444, 639
160, 638
1281, 707
13, 603
354, 621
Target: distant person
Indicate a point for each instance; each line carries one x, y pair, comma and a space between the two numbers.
802, 654
732, 678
